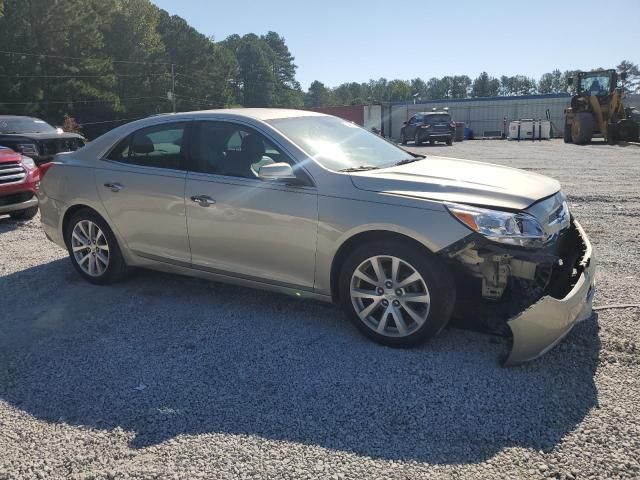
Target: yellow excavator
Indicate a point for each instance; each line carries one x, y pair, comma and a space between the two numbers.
597, 108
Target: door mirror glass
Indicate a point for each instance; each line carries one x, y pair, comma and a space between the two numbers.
276, 172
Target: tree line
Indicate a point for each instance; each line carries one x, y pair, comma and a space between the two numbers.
100, 61
458, 86
103, 62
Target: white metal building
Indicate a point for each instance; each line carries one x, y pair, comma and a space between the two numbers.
486, 117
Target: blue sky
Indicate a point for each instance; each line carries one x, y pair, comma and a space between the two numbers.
355, 40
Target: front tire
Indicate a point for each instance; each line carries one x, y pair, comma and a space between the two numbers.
26, 214
93, 249
395, 293
449, 141
582, 128
416, 140
403, 138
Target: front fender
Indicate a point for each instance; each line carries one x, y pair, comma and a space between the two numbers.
341, 219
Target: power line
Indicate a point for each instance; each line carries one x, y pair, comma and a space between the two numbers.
193, 76
112, 121
81, 101
7, 52
89, 76
200, 101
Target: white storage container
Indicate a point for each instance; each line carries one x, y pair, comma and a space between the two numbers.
528, 129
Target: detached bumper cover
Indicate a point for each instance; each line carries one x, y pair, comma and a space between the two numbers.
541, 326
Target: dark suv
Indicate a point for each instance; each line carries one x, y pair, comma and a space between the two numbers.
36, 139
429, 127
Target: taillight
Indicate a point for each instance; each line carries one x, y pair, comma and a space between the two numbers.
44, 168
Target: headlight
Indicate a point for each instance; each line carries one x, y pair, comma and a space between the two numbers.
28, 162
519, 229
28, 148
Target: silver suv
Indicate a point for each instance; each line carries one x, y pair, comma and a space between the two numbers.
315, 206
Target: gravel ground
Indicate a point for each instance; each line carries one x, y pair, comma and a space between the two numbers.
170, 377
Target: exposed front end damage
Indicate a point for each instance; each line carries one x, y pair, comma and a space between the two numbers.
533, 297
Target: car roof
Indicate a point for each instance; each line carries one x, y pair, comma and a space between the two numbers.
441, 112
255, 113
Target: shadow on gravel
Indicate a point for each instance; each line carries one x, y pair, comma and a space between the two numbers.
7, 223
162, 355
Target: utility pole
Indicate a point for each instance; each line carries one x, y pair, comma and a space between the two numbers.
173, 88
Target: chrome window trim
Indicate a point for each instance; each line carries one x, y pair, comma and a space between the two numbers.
250, 182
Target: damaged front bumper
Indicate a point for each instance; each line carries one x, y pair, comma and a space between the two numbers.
532, 297
541, 326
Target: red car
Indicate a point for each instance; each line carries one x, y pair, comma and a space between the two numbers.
19, 184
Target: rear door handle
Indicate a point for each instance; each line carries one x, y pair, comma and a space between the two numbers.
203, 200
114, 187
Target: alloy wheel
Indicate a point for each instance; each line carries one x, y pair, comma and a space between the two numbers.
90, 248
390, 296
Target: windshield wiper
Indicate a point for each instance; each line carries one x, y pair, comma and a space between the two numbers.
361, 168
410, 160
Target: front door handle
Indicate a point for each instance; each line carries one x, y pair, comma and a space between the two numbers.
203, 200
114, 187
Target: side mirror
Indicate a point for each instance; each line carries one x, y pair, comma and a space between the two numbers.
276, 172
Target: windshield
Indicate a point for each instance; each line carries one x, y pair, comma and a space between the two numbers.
437, 118
25, 125
595, 85
337, 144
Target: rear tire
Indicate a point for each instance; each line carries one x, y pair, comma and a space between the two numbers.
395, 310
26, 214
93, 249
582, 128
611, 134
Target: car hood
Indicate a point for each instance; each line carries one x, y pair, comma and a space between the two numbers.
42, 136
459, 181
7, 155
